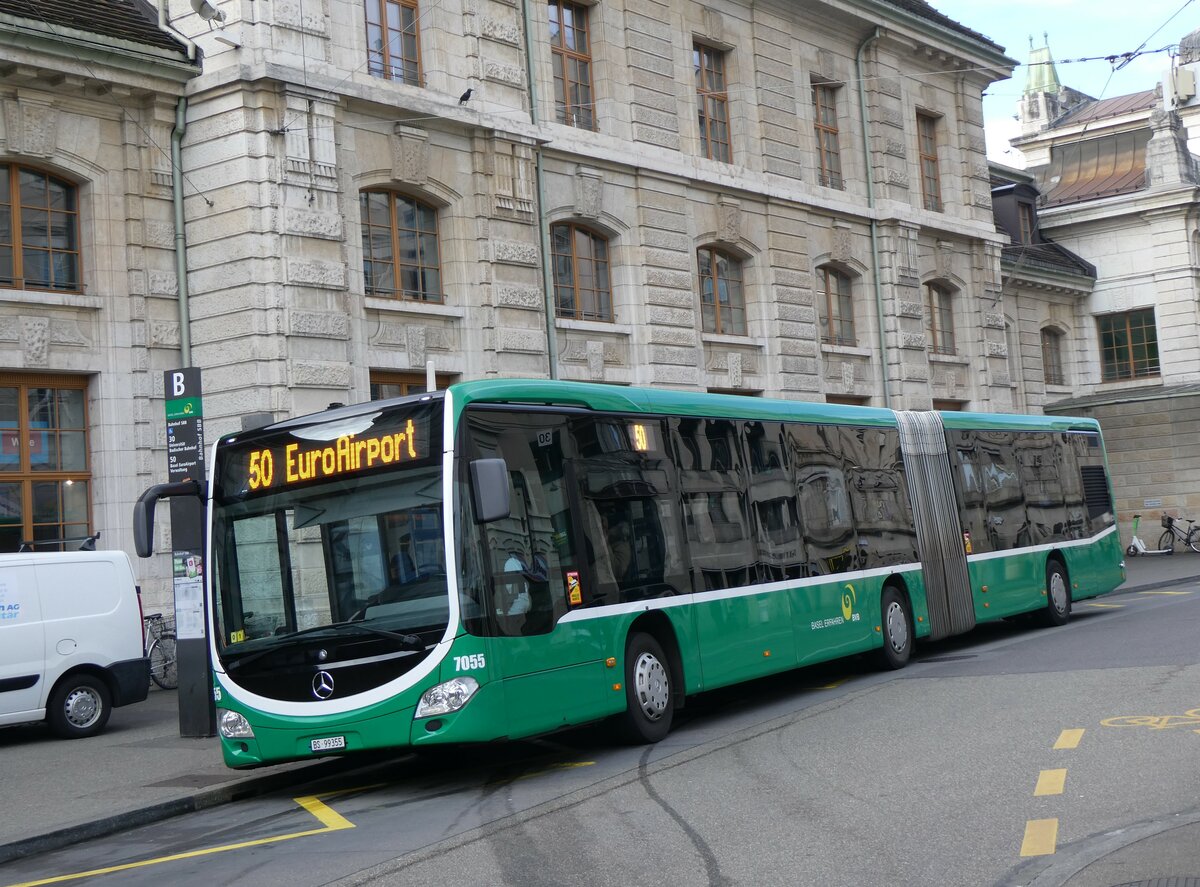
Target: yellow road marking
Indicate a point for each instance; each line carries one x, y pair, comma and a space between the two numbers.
1156, 722
832, 686
551, 769
1050, 782
1166, 592
1106, 606
331, 821
1069, 739
1041, 836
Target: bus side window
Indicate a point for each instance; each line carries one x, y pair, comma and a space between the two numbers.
879, 496
713, 483
531, 552
634, 544
773, 504
824, 500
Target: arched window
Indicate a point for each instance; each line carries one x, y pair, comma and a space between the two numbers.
939, 318
39, 231
836, 307
582, 289
722, 304
393, 42
400, 247
1052, 365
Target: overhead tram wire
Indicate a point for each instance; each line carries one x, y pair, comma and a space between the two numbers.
1134, 54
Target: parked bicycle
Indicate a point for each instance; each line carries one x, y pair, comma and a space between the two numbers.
1172, 533
160, 648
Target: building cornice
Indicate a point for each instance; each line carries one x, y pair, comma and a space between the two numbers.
30, 43
1111, 212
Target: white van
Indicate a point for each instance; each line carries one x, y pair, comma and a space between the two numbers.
71, 640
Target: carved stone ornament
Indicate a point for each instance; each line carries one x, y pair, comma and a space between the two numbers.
735, 369
35, 341
410, 154
841, 244
730, 220
416, 344
714, 25
589, 194
32, 127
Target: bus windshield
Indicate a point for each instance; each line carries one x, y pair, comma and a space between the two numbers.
331, 534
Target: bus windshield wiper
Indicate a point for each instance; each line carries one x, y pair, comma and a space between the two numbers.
409, 642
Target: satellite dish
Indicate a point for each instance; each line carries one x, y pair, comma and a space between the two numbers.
207, 11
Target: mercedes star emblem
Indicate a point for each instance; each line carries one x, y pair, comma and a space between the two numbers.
322, 685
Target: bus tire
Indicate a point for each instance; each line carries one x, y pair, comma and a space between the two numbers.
1058, 595
649, 692
896, 625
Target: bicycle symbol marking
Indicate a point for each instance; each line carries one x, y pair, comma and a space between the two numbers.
1190, 718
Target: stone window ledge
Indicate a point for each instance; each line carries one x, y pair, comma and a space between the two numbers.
959, 359
422, 309
593, 326
849, 350
51, 300
722, 339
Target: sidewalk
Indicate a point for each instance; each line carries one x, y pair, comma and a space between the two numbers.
139, 770
1160, 569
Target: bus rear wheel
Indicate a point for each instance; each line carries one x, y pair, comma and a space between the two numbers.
649, 693
896, 624
1058, 595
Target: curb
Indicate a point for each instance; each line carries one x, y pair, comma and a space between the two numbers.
1146, 586
99, 828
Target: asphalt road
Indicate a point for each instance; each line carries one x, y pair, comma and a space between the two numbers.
993, 759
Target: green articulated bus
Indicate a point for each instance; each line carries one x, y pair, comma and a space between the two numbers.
508, 557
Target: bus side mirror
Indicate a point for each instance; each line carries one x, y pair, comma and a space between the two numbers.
490, 489
143, 511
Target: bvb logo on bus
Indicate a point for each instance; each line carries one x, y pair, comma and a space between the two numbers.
849, 599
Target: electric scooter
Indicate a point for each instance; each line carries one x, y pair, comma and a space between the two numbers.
1138, 547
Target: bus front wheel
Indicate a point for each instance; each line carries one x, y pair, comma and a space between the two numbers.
1058, 595
649, 694
897, 629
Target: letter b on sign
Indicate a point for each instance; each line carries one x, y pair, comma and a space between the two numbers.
177, 385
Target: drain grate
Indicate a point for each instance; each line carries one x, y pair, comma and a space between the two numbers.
954, 659
1163, 882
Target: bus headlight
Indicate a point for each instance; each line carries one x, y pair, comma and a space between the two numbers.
447, 697
232, 725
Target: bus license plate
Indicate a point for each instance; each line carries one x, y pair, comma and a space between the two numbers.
329, 742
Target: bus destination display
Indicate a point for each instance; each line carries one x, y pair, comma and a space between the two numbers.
275, 467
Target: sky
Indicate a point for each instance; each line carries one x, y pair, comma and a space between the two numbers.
1077, 29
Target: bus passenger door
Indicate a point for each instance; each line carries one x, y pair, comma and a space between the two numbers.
553, 672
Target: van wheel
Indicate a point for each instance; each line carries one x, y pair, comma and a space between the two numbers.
649, 696
79, 706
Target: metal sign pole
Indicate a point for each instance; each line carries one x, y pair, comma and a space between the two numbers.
185, 460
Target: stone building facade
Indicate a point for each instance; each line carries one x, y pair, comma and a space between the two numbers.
729, 196
1119, 188
89, 94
